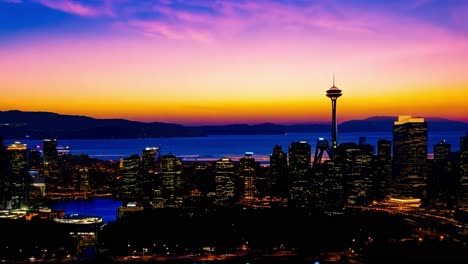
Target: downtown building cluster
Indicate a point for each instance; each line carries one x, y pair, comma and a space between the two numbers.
398, 173
353, 175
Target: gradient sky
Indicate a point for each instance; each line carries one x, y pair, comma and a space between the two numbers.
222, 62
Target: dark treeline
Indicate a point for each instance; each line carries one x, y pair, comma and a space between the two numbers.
376, 237
226, 230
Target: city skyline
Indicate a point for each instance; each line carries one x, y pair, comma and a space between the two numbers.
223, 62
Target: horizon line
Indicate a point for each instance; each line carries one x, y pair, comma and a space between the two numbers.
227, 124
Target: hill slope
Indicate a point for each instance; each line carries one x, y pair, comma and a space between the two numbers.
39, 125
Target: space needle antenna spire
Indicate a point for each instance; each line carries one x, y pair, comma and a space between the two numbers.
333, 93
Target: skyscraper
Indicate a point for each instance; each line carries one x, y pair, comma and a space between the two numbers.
50, 154
441, 180
3, 175
409, 157
18, 180
130, 179
299, 172
383, 169
171, 172
150, 177
333, 93
225, 182
356, 162
278, 182
463, 200
247, 173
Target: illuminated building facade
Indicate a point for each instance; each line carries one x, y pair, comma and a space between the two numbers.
17, 181
463, 200
37, 188
35, 159
247, 175
329, 188
225, 182
171, 172
278, 173
130, 179
299, 173
49, 152
3, 175
151, 184
383, 169
356, 161
83, 179
409, 158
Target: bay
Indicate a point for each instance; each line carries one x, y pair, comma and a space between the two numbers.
220, 146
106, 208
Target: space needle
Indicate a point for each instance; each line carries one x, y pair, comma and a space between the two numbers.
333, 93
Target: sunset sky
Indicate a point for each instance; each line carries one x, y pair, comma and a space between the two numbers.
222, 62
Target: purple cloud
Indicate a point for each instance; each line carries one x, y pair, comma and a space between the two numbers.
75, 8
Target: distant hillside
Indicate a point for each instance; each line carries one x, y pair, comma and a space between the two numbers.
39, 125
18, 124
385, 123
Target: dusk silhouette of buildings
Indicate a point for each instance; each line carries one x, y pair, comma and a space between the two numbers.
299, 158
225, 182
17, 182
409, 158
463, 201
228, 207
278, 180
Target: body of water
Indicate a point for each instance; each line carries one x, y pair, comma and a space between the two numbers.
101, 207
220, 146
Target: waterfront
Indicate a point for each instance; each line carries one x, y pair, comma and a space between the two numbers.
219, 146
101, 207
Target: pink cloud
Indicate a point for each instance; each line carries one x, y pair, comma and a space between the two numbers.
72, 7
172, 32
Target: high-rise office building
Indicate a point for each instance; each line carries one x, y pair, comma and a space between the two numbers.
383, 170
3, 175
171, 172
328, 186
130, 179
278, 182
463, 196
247, 175
299, 162
356, 161
225, 182
442, 150
49, 152
151, 186
35, 158
409, 158
18, 180
441, 184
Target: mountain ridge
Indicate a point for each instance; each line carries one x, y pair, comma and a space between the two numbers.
39, 125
